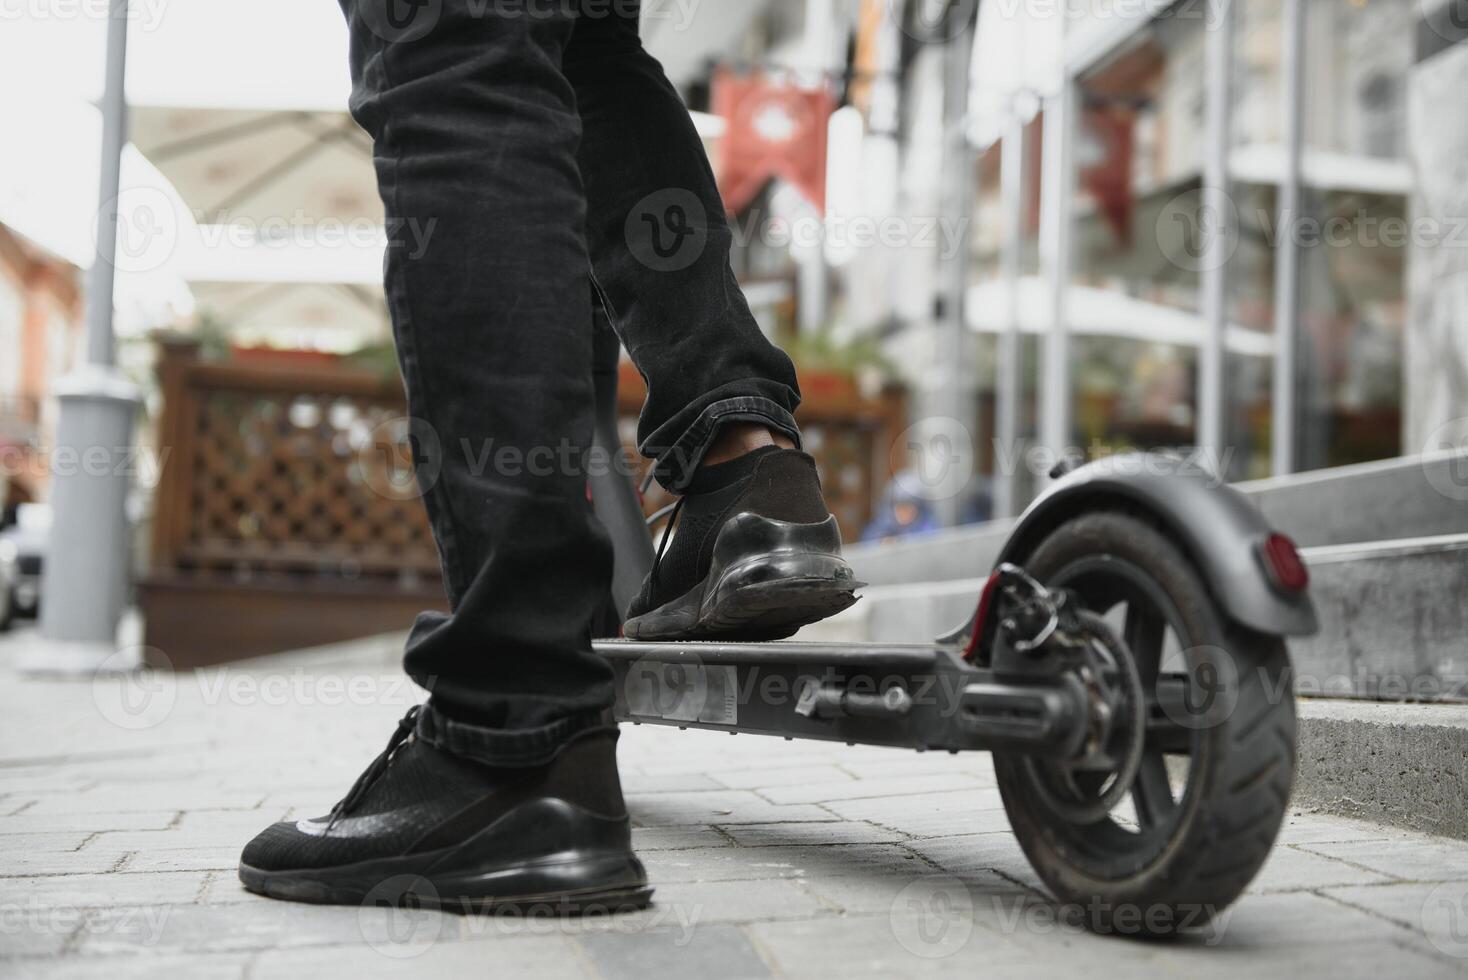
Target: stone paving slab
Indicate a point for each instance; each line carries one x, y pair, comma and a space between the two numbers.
121, 823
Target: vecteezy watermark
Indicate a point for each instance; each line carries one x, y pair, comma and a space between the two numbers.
1209, 14
847, 233
1197, 236
1041, 461
1449, 476
1445, 918
1206, 692
135, 688
933, 457
933, 916
300, 231
679, 687
678, 14
401, 458
932, 21
1022, 913
400, 21
667, 230
144, 15
1193, 234
405, 21
138, 463
1448, 19
150, 226
403, 916
222, 685
399, 916
142, 925
147, 225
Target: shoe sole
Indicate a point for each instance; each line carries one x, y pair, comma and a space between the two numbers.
781, 577
568, 885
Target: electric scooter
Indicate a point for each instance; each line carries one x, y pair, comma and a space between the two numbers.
1125, 664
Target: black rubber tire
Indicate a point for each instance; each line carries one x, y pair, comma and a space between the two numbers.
1241, 770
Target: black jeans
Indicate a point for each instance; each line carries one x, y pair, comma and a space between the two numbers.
533, 159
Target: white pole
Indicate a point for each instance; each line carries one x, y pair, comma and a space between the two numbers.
1287, 253
84, 580
1057, 190
1217, 227
1007, 366
957, 196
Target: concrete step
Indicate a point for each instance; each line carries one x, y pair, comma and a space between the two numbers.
1408, 497
1393, 618
1401, 764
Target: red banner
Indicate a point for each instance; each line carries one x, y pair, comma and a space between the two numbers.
1109, 179
774, 130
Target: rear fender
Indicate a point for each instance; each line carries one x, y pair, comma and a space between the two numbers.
1216, 526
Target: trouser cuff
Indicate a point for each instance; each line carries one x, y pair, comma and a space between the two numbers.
500, 747
677, 464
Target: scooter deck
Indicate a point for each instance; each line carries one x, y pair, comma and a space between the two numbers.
918, 696
800, 652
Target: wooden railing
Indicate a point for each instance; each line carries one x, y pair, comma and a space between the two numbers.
287, 515
272, 471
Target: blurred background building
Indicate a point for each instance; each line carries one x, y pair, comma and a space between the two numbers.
988, 233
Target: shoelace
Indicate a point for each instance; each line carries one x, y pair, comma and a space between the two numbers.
667, 533
377, 767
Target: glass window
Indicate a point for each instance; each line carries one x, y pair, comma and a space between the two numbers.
1134, 300
989, 305
1256, 148
1352, 268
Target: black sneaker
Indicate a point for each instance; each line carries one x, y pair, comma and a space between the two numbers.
427, 829
756, 555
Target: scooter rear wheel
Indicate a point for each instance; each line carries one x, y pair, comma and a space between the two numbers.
1218, 762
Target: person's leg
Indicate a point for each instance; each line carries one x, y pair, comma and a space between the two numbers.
483, 792
659, 246
719, 414
475, 135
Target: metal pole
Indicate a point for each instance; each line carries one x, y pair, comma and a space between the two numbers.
957, 197
1057, 190
1217, 227
1007, 365
84, 585
100, 346
1287, 250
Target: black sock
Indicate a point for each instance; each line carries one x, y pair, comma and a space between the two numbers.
720, 475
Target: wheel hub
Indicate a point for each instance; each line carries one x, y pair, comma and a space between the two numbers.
1042, 623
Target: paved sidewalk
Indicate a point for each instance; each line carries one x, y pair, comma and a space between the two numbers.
121, 821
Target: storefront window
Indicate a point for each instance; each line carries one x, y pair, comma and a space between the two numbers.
1136, 272
989, 302
1256, 155
1134, 299
1352, 266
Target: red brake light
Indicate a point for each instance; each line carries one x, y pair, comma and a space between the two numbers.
1286, 569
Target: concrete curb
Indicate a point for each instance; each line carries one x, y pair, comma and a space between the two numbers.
1399, 764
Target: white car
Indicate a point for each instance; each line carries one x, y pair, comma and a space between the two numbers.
22, 555
9, 580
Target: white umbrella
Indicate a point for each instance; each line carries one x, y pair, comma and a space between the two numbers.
261, 166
